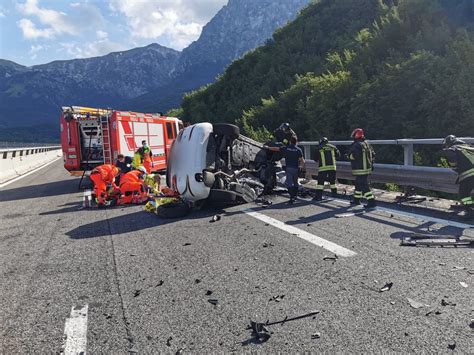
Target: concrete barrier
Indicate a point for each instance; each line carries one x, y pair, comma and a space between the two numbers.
18, 161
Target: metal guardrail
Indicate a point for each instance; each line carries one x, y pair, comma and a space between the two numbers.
407, 145
24, 151
425, 177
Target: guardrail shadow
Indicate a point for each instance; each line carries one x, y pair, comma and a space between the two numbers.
63, 187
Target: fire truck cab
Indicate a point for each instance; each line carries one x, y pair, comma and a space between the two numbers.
91, 137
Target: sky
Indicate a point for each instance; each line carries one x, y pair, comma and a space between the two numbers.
40, 31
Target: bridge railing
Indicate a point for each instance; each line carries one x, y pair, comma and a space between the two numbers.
425, 177
18, 161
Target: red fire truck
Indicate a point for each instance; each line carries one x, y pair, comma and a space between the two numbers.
92, 137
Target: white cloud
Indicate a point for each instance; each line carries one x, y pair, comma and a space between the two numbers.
179, 22
94, 49
30, 31
34, 49
2, 14
101, 34
55, 22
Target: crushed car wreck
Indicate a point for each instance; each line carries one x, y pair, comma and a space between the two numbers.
214, 162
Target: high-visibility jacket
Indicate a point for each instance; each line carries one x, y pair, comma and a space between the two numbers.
326, 156
107, 173
362, 157
131, 177
141, 156
461, 159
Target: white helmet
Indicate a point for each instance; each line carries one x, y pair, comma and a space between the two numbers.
142, 169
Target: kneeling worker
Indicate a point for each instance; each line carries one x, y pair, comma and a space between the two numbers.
326, 156
362, 158
293, 160
103, 177
132, 186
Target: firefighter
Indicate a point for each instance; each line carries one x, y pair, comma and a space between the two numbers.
143, 157
293, 160
326, 156
132, 186
362, 158
103, 177
284, 133
460, 157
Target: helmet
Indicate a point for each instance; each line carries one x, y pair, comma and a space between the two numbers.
142, 169
449, 141
323, 141
285, 126
358, 133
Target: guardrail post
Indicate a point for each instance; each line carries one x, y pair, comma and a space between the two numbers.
408, 154
307, 152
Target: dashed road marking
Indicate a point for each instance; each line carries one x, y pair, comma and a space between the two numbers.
75, 332
326, 244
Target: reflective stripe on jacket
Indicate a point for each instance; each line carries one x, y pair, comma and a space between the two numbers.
362, 158
326, 156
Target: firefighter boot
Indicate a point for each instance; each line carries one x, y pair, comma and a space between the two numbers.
318, 196
371, 203
355, 201
334, 192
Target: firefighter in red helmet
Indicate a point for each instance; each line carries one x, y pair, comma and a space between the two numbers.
362, 158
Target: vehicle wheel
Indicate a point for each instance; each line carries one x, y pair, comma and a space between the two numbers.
222, 196
173, 210
226, 129
249, 194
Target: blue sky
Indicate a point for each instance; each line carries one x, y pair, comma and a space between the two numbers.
40, 31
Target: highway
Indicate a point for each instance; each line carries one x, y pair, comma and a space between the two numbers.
121, 280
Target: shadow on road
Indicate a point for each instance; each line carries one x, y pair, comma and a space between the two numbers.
63, 187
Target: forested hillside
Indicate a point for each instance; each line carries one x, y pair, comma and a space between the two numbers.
397, 68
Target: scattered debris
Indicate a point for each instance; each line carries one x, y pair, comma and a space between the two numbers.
180, 351
463, 284
316, 336
442, 264
333, 258
471, 325
457, 268
215, 218
445, 303
197, 281
186, 244
137, 293
277, 298
259, 332
436, 240
208, 292
392, 302
160, 283
168, 341
416, 304
213, 301
386, 287
452, 346
435, 311
107, 316
351, 214
266, 245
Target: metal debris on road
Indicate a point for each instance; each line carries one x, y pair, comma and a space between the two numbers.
107, 316
277, 298
266, 245
180, 351
416, 304
452, 346
197, 281
137, 293
215, 218
213, 301
186, 244
463, 284
333, 258
168, 341
386, 287
434, 311
260, 332
160, 283
316, 336
208, 292
445, 303
458, 268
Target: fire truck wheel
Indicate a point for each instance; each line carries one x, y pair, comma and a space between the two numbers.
225, 129
173, 210
222, 196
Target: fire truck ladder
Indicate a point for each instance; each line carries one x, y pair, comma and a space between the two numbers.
107, 149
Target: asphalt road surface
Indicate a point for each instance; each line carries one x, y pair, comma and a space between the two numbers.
124, 281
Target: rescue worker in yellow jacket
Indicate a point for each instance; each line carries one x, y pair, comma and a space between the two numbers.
460, 157
362, 158
143, 157
326, 156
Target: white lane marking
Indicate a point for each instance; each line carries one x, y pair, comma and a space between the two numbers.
326, 244
75, 332
28, 173
419, 216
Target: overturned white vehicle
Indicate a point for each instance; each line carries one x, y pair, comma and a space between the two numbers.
214, 162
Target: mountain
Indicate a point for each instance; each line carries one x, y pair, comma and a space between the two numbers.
34, 95
152, 78
238, 27
398, 68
